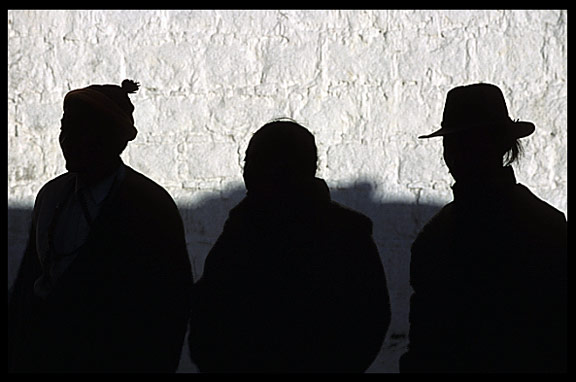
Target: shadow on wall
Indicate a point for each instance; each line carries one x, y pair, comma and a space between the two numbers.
395, 226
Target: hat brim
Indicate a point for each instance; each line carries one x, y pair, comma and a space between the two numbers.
519, 129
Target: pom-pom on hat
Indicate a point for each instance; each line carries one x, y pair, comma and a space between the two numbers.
112, 101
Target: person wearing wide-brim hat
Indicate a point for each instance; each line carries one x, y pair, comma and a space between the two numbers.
104, 284
489, 270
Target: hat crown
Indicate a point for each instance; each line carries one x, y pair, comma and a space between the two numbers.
479, 108
111, 101
119, 95
475, 104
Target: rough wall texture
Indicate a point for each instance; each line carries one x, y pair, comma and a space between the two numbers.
366, 83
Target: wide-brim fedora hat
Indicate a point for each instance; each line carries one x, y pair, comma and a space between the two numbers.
479, 107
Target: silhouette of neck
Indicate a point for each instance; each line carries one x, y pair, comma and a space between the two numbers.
483, 171
313, 190
493, 184
94, 174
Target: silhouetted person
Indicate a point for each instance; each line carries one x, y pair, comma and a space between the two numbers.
104, 285
294, 283
489, 270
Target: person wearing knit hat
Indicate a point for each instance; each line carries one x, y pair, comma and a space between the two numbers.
105, 281
97, 125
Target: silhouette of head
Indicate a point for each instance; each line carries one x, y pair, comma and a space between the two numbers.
280, 157
478, 135
96, 125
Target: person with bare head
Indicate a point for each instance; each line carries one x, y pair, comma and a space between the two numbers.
294, 283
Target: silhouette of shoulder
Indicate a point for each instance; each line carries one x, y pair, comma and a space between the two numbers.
336, 217
437, 227
144, 190
238, 209
141, 187
340, 217
530, 203
59, 183
526, 210
137, 193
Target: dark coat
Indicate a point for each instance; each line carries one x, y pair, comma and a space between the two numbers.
297, 287
123, 304
489, 279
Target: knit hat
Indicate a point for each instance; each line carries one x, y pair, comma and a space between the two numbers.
111, 101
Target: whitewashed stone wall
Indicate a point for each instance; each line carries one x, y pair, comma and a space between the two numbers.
366, 83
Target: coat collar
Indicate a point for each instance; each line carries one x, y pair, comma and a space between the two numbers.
314, 191
495, 187
301, 205
99, 190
